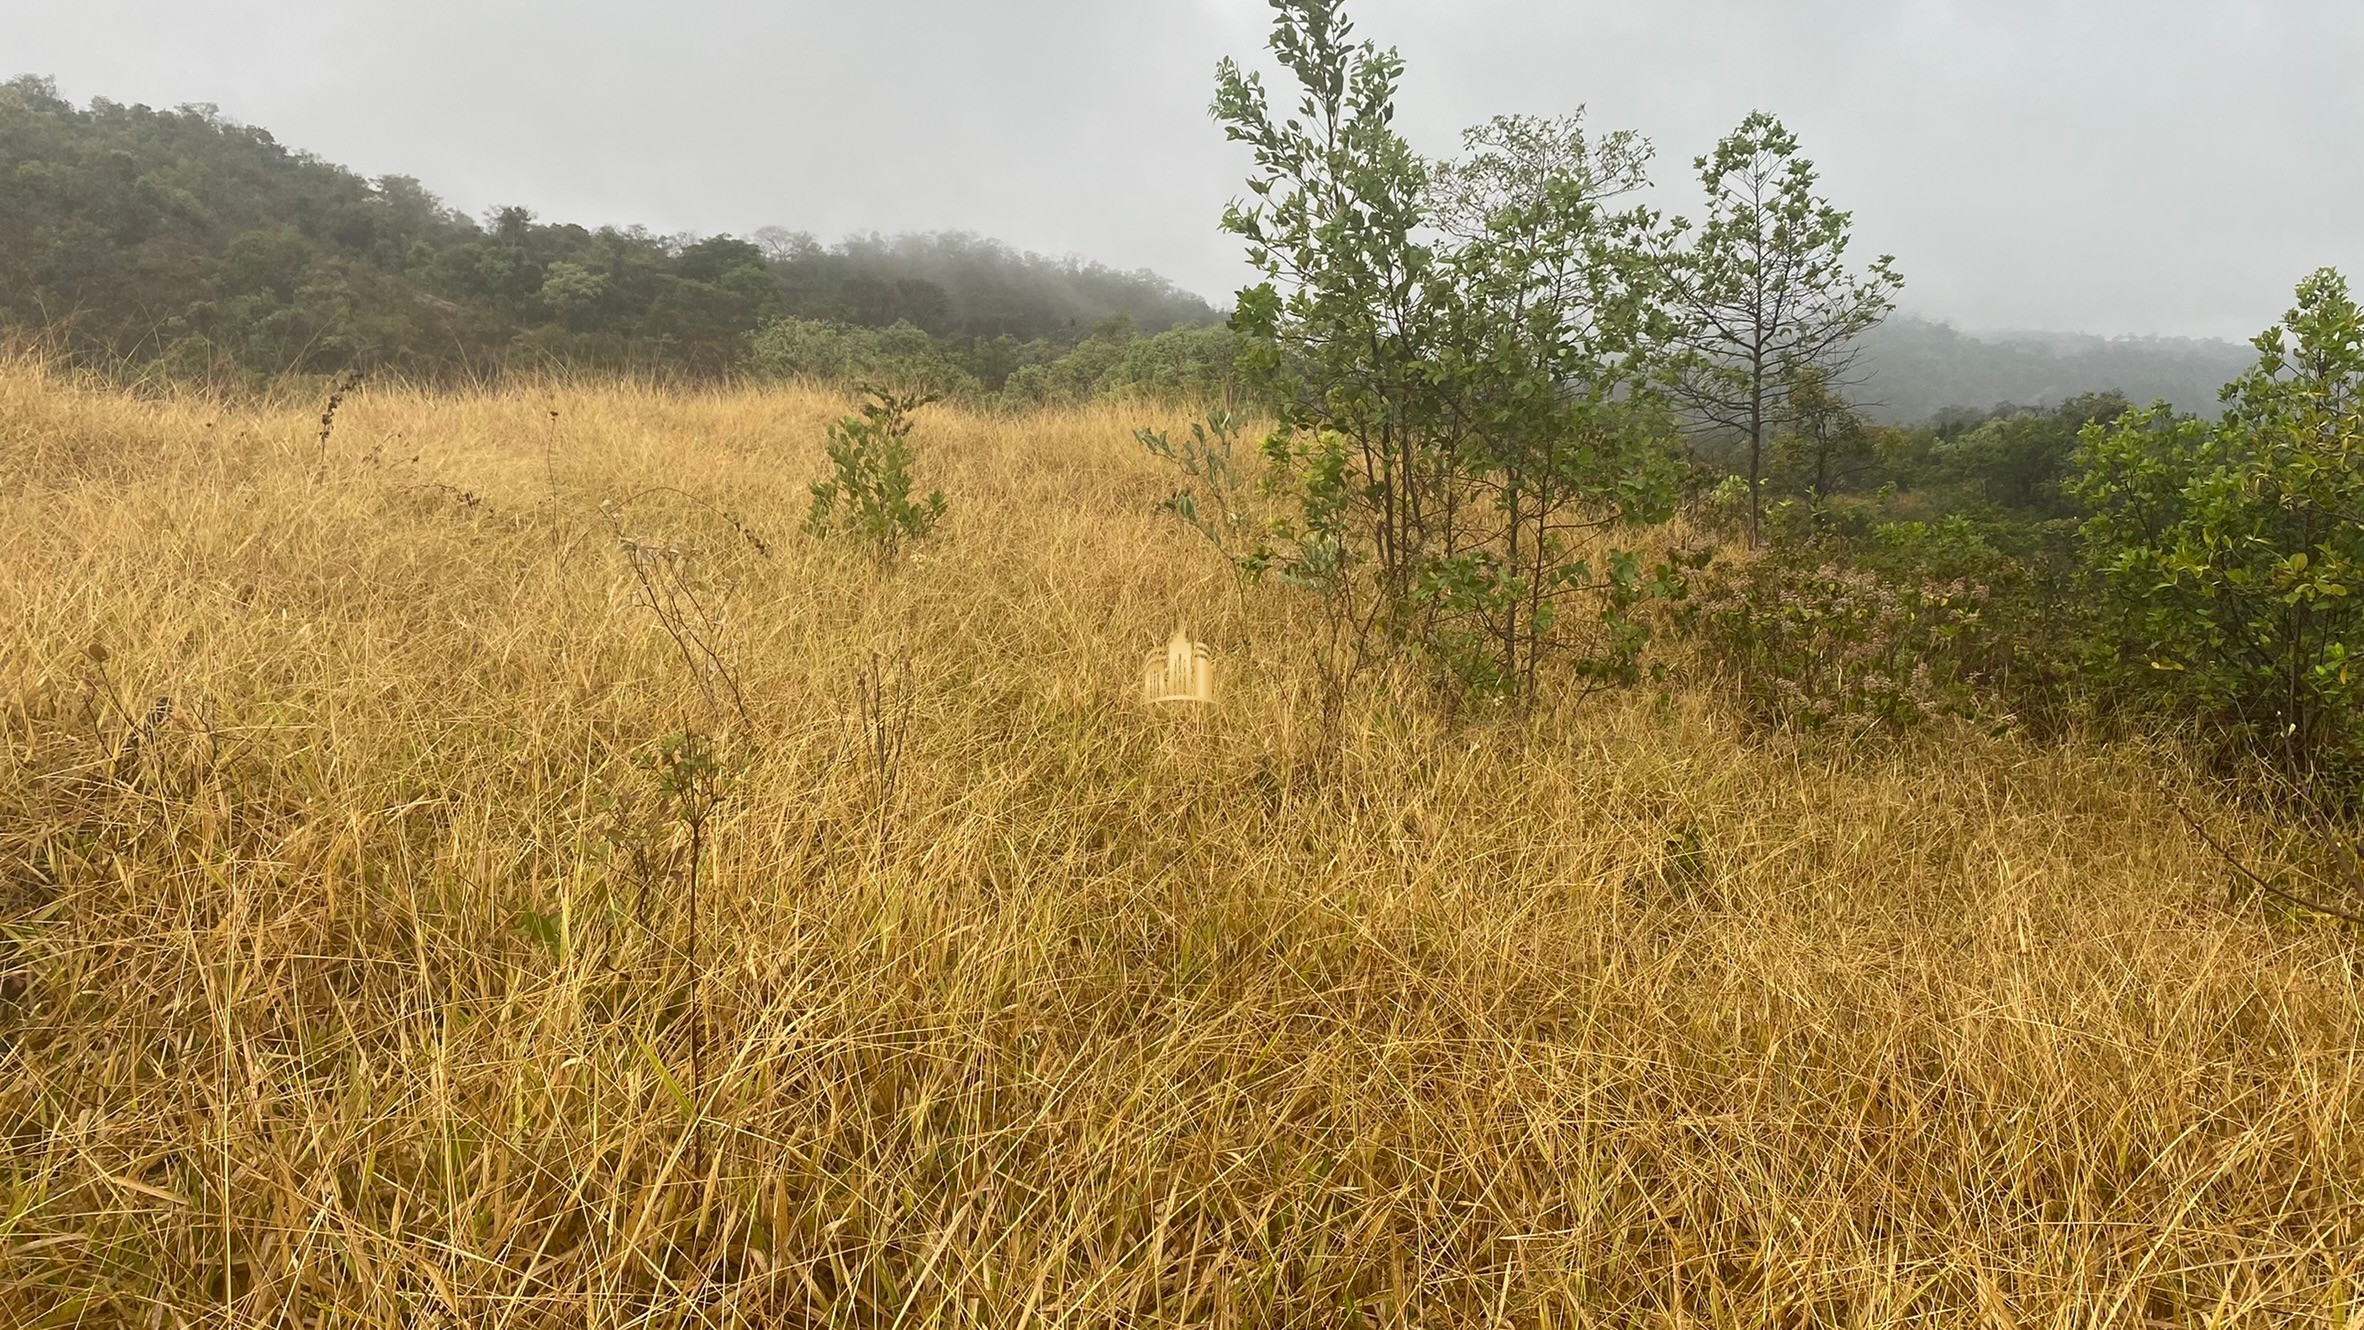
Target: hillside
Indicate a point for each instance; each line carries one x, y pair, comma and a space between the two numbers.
1914, 368
181, 243
358, 963
185, 243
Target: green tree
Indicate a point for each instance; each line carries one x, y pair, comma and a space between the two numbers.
2022, 460
2233, 551
1543, 367
1824, 446
1761, 291
1339, 333
1455, 355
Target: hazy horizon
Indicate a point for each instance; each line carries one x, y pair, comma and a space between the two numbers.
2087, 167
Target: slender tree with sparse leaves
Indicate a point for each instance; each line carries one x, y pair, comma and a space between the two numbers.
1760, 292
1339, 332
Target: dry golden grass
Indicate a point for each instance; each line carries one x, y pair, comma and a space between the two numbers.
329, 1001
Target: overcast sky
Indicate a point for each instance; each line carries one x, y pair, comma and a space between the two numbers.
2116, 166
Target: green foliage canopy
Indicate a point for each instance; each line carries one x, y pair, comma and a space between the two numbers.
2234, 550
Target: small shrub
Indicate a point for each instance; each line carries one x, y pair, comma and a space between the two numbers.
1849, 620
1818, 643
819, 352
1216, 497
870, 495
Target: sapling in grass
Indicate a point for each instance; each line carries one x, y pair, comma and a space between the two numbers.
691, 782
869, 496
1216, 498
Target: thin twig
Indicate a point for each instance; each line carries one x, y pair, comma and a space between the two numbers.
694, 628
730, 516
2244, 870
885, 708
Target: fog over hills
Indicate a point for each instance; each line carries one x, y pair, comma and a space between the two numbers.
1914, 367
189, 241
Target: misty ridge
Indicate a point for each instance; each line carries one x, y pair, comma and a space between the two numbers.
1915, 369
183, 244
956, 285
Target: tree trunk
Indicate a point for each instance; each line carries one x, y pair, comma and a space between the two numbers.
1756, 455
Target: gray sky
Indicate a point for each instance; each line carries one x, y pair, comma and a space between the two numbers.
2116, 166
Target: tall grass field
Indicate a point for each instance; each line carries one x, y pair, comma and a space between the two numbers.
481, 863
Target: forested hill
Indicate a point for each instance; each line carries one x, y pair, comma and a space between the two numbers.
184, 241
1915, 368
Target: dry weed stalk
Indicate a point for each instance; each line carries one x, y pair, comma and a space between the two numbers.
883, 701
690, 771
665, 587
344, 388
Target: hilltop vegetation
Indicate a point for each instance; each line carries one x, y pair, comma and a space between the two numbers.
1915, 369
186, 244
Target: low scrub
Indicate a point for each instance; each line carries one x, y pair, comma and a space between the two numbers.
1849, 622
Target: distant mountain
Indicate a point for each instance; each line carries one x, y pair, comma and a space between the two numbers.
1913, 368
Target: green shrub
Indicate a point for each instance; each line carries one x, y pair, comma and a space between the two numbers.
838, 353
2230, 552
869, 497
1849, 622
1183, 364
1179, 365
2023, 460
1817, 643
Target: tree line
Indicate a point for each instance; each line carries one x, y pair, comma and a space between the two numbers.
178, 242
